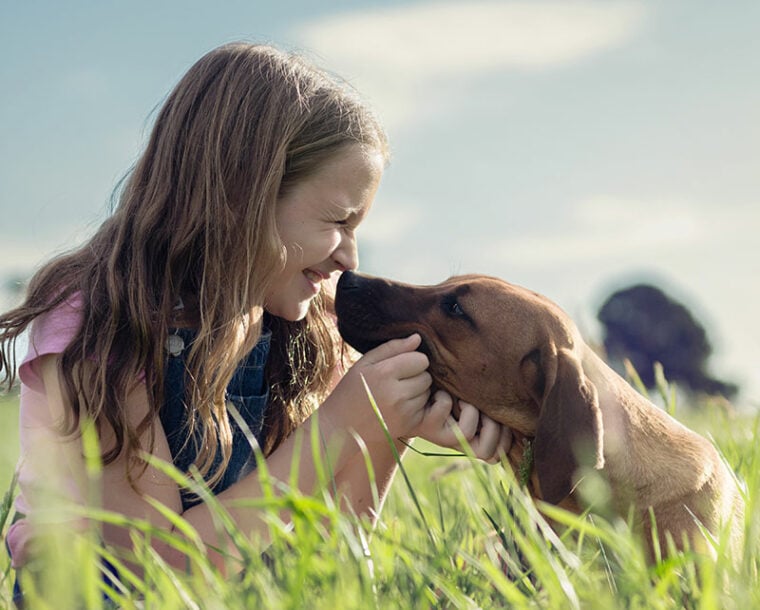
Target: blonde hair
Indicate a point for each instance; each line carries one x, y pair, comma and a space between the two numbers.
196, 218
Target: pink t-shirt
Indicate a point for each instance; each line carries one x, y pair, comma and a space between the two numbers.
40, 443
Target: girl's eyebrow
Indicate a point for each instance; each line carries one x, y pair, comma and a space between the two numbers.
347, 211
356, 214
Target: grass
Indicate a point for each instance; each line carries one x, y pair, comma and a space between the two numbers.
8, 438
456, 533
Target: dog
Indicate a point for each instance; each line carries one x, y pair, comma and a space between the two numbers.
520, 359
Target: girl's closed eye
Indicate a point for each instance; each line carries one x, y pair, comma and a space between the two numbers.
344, 216
346, 221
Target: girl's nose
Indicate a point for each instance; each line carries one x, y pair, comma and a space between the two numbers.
347, 255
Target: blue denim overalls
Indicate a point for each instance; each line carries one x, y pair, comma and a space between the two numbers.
247, 391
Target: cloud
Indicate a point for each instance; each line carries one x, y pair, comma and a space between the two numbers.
608, 228
393, 53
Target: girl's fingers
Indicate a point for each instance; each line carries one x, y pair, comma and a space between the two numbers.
414, 386
435, 423
392, 348
504, 445
488, 438
439, 412
485, 445
469, 418
505, 440
396, 359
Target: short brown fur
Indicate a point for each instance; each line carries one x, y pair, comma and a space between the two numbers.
519, 358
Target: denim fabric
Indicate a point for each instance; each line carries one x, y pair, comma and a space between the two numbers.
247, 391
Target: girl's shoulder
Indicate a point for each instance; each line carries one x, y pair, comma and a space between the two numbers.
51, 333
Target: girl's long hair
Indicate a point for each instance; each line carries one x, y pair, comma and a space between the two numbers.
195, 220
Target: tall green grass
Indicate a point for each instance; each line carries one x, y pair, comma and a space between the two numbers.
454, 533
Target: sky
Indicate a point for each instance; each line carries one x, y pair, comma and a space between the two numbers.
572, 147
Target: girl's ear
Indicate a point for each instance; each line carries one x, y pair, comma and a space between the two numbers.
569, 431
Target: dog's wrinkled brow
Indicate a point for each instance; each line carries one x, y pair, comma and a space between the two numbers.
462, 290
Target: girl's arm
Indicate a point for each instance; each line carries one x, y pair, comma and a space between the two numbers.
396, 371
400, 384
115, 492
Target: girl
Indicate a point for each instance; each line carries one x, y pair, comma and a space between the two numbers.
208, 286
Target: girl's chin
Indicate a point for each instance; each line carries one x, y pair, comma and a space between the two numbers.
292, 313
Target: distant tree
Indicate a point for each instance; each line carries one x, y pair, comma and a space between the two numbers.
646, 326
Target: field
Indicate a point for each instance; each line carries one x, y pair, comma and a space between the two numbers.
455, 533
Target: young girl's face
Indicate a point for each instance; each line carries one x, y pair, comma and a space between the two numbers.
316, 219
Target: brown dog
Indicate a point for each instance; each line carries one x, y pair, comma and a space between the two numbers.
520, 359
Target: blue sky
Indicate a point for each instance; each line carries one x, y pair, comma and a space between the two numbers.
571, 147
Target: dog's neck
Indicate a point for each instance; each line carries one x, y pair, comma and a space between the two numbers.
644, 448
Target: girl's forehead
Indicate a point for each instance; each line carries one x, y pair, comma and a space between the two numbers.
352, 170
343, 186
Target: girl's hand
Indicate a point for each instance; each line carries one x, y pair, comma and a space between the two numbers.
397, 377
488, 439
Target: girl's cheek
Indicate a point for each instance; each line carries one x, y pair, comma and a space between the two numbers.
334, 241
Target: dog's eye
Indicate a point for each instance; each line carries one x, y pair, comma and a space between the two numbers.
452, 307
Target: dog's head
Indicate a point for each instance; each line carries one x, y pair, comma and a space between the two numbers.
509, 351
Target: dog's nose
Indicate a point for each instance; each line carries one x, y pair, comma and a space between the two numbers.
348, 281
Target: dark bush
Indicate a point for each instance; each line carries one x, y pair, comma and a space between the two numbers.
646, 326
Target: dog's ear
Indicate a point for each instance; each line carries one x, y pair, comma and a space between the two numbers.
569, 430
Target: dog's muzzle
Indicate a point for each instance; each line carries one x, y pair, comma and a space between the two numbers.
358, 315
